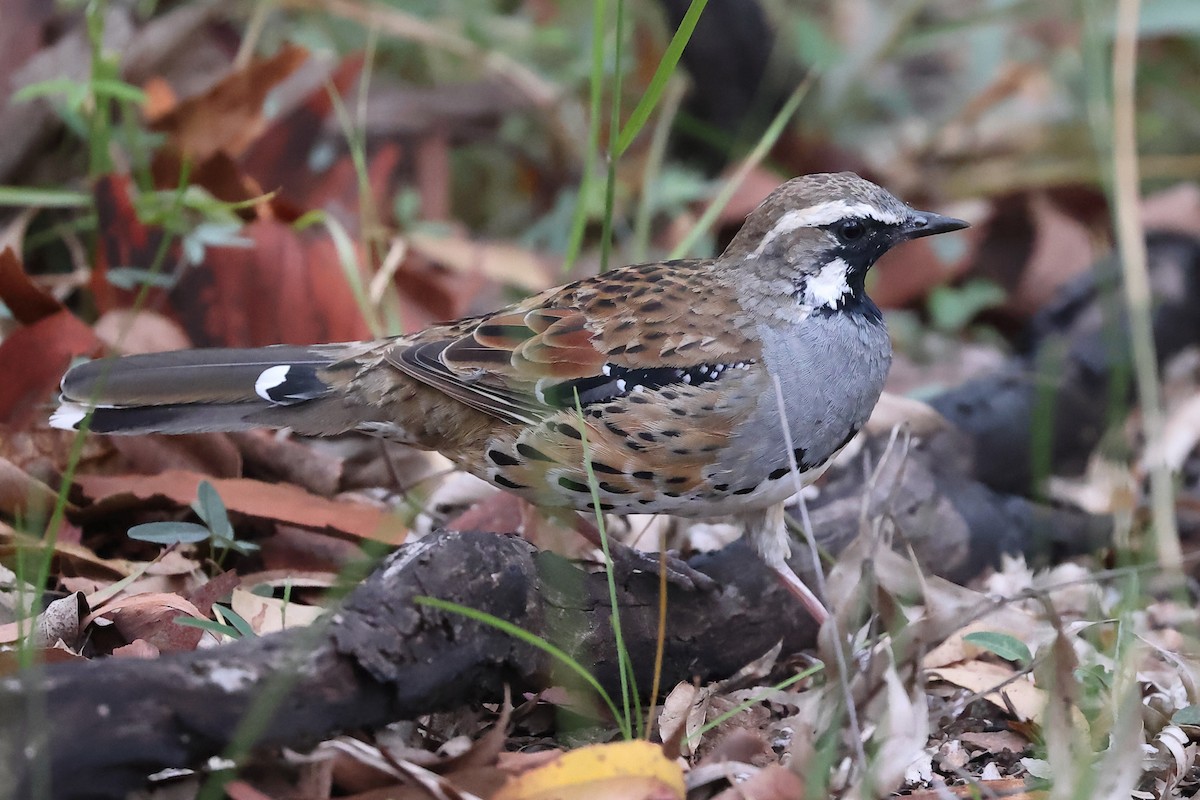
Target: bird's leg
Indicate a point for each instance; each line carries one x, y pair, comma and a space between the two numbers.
767, 533
679, 572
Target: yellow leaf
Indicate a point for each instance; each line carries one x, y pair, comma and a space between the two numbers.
627, 770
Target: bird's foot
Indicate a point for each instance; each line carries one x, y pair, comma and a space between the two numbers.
679, 572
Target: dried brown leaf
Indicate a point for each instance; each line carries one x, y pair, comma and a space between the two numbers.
498, 261
27, 301
279, 502
774, 782
228, 117
32, 361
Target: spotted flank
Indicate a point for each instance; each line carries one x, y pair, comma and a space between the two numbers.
617, 381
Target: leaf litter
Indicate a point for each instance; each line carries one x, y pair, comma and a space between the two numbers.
940, 714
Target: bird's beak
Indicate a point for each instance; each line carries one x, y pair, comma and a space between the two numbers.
926, 223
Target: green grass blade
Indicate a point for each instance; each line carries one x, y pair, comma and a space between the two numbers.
625, 664
25, 196
610, 186
758, 698
769, 137
528, 638
209, 625
596, 96
658, 83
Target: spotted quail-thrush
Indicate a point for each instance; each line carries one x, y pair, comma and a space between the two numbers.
673, 365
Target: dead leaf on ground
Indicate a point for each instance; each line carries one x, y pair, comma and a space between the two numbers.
138, 648
70, 558
775, 782
983, 677
281, 502
1063, 248
62, 621
267, 614
635, 770
279, 158
290, 460
27, 301
125, 242
227, 117
220, 302
1007, 788
10, 660
677, 708
33, 360
295, 549
206, 453
21, 495
151, 617
1015, 622
995, 742
127, 332
498, 261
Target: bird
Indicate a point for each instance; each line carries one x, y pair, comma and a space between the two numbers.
687, 387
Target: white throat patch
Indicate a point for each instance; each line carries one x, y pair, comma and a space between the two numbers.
828, 287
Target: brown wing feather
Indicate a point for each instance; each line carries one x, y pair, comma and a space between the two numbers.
643, 317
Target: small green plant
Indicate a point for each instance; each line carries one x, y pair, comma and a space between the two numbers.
1007, 647
951, 308
228, 623
217, 529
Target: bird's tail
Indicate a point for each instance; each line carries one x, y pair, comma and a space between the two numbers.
197, 391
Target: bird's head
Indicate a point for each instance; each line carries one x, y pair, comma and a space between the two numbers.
819, 234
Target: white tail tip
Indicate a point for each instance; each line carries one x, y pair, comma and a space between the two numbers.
68, 416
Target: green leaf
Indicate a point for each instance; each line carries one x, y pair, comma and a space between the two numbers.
209, 625
210, 508
1007, 647
134, 278
118, 90
1188, 715
235, 619
73, 90
170, 532
951, 308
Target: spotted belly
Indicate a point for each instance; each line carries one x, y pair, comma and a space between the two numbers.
677, 450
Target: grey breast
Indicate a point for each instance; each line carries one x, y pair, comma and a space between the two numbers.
831, 369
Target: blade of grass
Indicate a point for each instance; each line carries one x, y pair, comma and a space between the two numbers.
610, 186
595, 97
26, 196
835, 627
625, 666
654, 161
658, 82
758, 698
531, 639
660, 638
1131, 243
764, 145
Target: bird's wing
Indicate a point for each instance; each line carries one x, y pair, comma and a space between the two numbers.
644, 326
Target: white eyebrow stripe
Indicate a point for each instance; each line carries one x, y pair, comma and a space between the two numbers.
825, 214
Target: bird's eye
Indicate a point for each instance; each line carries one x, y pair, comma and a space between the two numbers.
850, 230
